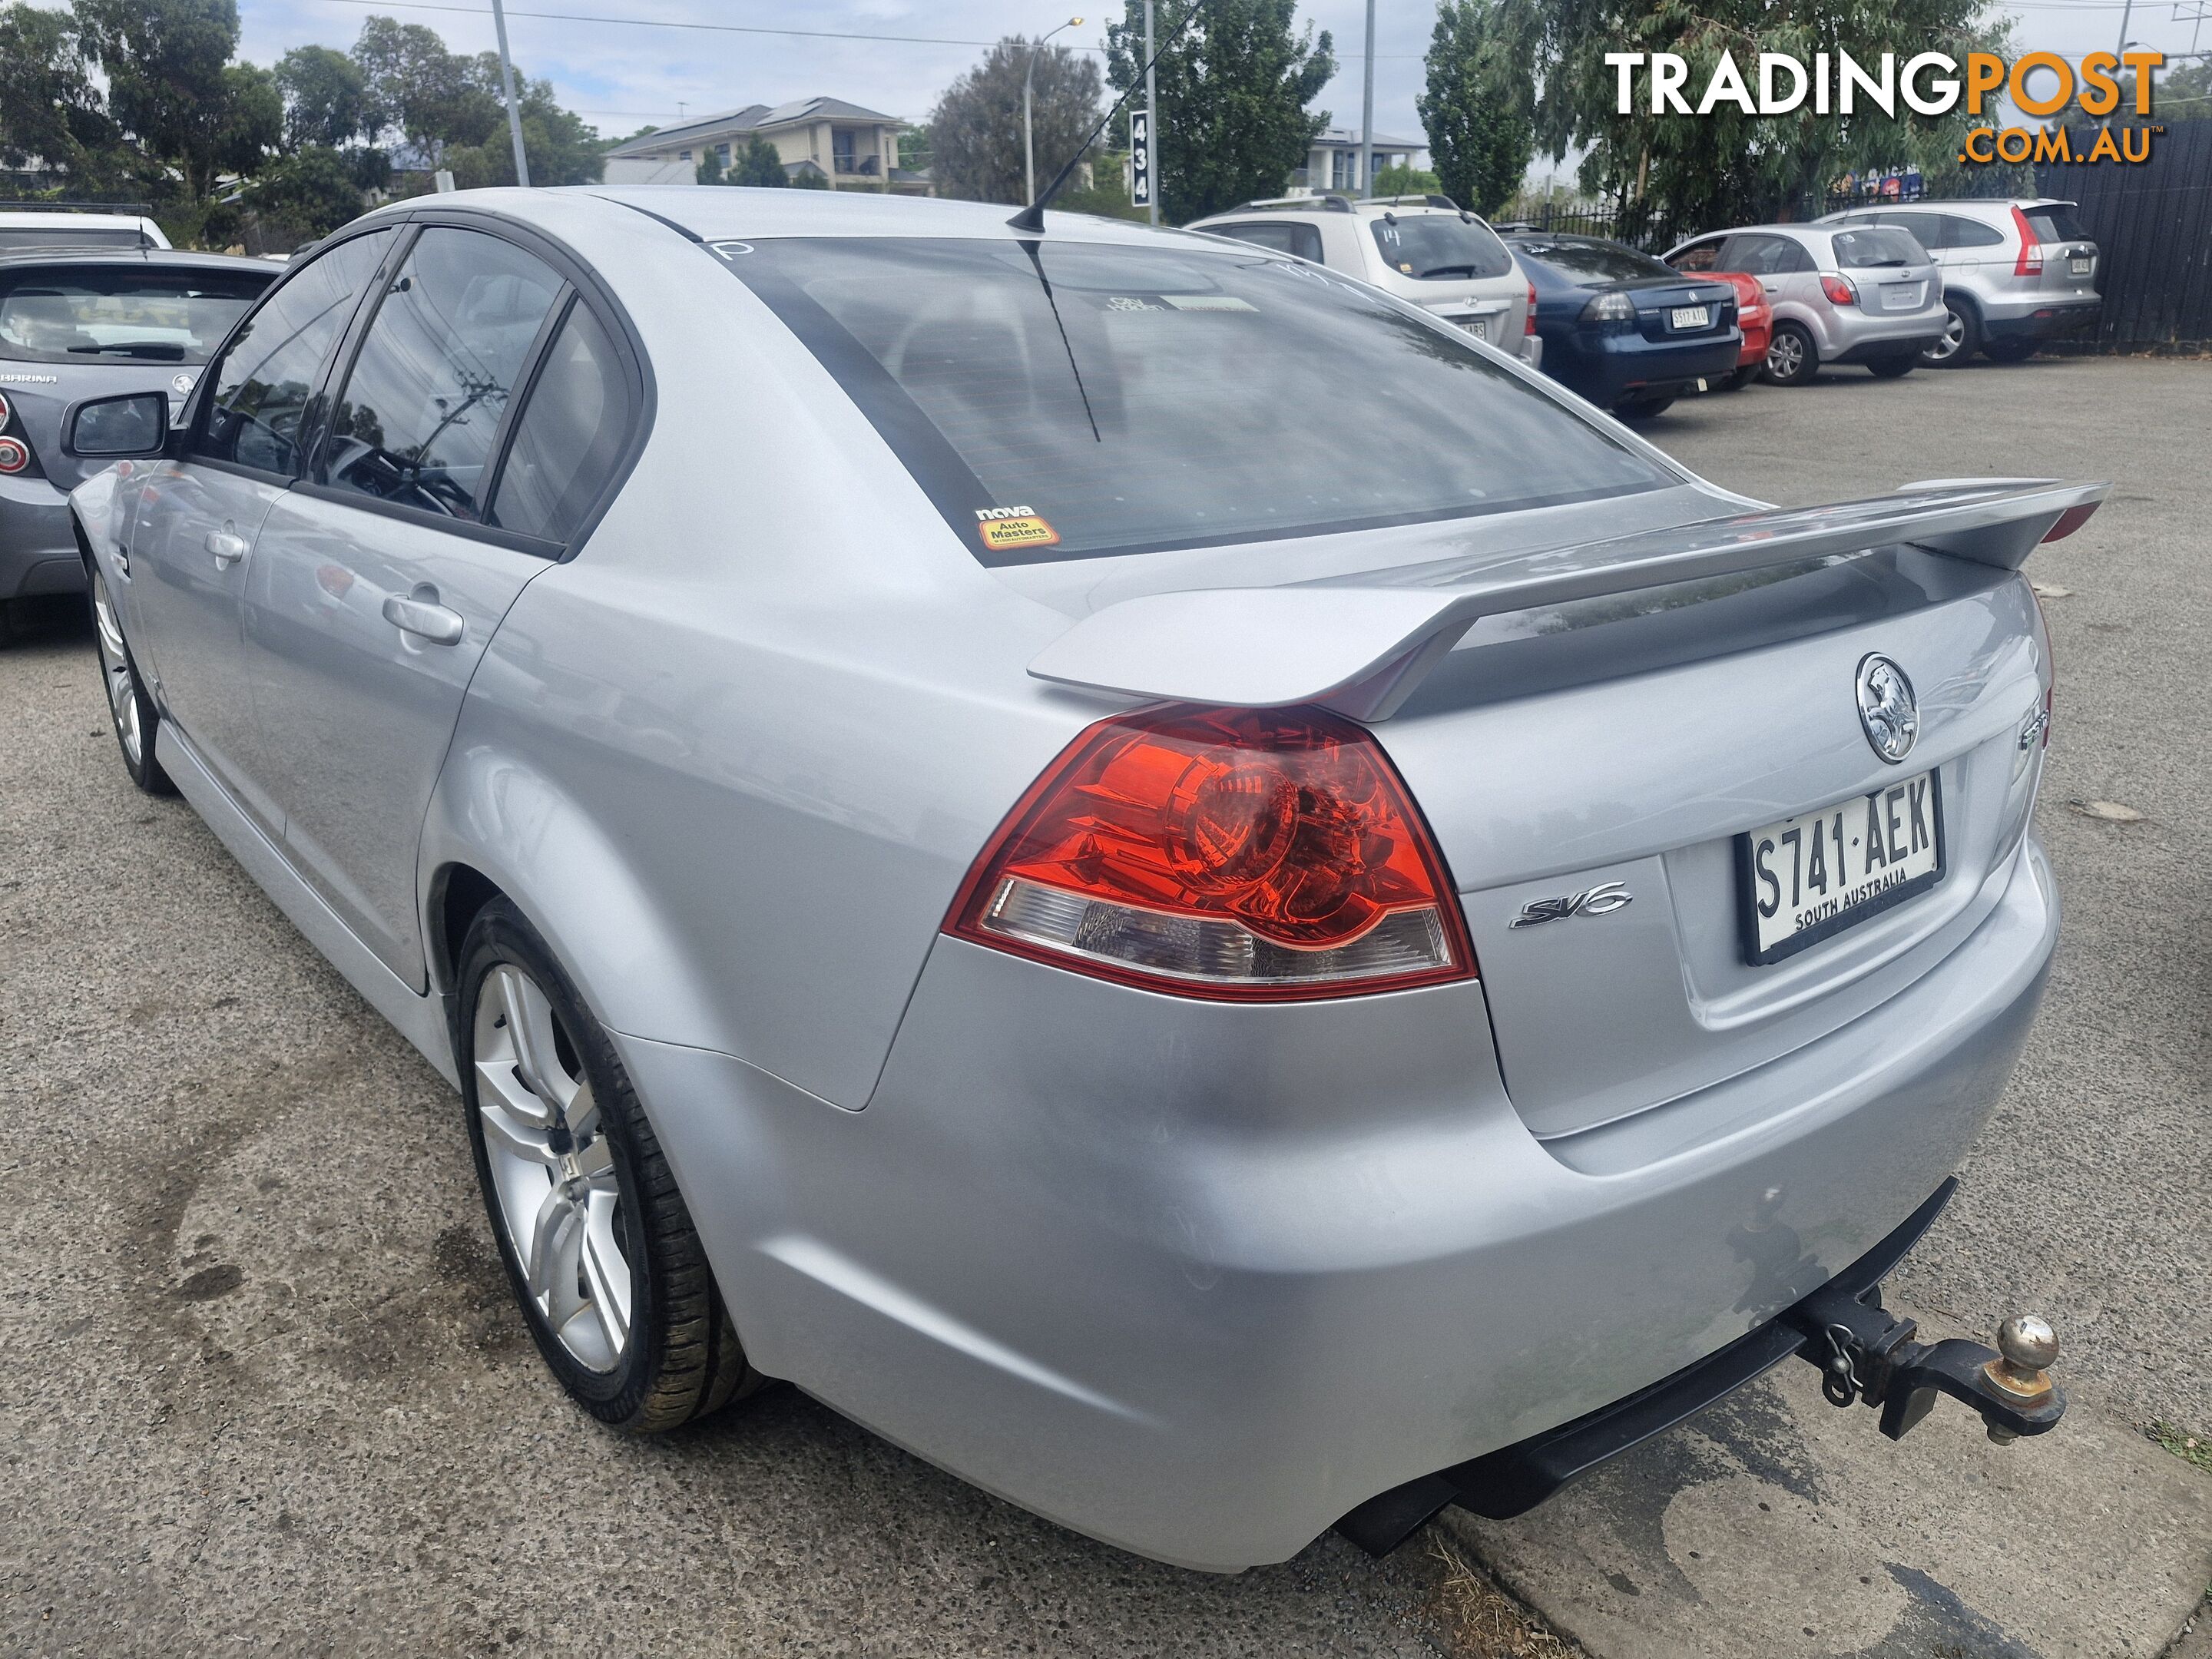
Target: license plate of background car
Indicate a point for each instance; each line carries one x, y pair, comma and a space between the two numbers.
1478, 326
1691, 317
1808, 877
2080, 267
1901, 296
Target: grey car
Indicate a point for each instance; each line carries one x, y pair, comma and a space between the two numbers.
78, 325
1841, 294
2014, 273
1209, 998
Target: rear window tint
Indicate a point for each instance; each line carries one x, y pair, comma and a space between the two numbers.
1970, 232
14, 238
122, 314
1594, 261
1064, 399
1440, 247
2058, 224
1303, 241
1875, 246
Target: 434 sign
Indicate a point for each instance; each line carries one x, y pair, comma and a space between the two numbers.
1140, 157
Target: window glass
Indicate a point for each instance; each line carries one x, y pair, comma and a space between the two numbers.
1590, 260
1303, 241
122, 314
264, 382
1970, 232
2057, 223
1063, 398
1759, 256
421, 410
1440, 247
570, 436
16, 239
1876, 247
1698, 256
1930, 230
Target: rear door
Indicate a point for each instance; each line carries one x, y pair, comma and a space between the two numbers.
191, 549
2070, 257
380, 580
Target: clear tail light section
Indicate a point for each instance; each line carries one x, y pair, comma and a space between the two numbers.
1528, 324
1249, 855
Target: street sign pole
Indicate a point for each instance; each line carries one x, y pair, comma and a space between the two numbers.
1152, 102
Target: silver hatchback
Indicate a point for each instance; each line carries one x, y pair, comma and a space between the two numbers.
1841, 294
2015, 273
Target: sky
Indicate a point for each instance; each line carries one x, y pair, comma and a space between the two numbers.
620, 75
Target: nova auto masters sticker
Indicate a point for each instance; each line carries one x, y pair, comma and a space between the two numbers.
1005, 528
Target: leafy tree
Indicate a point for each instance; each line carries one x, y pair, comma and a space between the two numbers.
1106, 195
1476, 108
2184, 96
1234, 78
917, 148
325, 98
757, 164
51, 109
1728, 167
431, 97
709, 170
250, 126
310, 192
1407, 181
562, 150
168, 86
977, 128
809, 178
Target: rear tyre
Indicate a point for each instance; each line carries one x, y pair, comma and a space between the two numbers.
1791, 357
1642, 409
130, 710
601, 1251
2009, 351
1961, 336
1891, 368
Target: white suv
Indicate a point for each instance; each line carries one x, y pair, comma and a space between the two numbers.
51, 231
1425, 249
2015, 272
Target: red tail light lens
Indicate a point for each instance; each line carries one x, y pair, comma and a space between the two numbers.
2030, 263
15, 455
1529, 326
6, 413
1246, 854
1840, 291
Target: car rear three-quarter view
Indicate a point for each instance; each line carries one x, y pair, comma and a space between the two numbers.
1212, 995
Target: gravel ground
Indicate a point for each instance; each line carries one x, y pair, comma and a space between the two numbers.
264, 1391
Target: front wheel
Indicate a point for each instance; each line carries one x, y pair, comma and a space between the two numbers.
130, 710
1891, 368
1791, 357
599, 1250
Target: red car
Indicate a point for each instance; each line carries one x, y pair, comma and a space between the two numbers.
1755, 317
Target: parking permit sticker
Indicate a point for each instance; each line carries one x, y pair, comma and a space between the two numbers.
1004, 528
1208, 302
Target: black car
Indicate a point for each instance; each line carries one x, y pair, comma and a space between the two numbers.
1622, 329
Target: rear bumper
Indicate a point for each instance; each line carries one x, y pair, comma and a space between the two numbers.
1200, 1278
2043, 322
37, 553
1607, 367
1874, 351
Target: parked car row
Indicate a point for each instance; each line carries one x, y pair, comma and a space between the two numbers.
1889, 289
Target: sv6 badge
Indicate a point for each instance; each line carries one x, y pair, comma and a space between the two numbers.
1599, 901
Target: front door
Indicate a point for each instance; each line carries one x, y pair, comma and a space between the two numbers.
377, 582
199, 519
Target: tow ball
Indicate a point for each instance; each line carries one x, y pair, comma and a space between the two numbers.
1868, 1356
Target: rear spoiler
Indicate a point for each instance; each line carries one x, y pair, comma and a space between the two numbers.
1361, 644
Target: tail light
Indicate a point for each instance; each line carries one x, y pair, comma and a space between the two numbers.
15, 455
1250, 855
7, 412
1839, 290
1528, 324
2030, 263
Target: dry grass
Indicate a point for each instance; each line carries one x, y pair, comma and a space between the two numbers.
1480, 1621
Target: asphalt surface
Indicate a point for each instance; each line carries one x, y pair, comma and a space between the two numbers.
264, 1392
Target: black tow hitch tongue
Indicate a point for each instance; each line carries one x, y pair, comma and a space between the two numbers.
1867, 1355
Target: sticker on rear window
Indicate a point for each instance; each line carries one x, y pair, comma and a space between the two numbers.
1208, 302
1005, 527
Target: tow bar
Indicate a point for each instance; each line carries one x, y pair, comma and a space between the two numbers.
1868, 1357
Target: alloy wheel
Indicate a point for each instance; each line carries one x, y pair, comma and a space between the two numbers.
552, 1169
1954, 336
116, 674
1785, 356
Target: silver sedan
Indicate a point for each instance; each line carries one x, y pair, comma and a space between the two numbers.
1172, 883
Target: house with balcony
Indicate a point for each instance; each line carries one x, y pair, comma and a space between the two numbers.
851, 148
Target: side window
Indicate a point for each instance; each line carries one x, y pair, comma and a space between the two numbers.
1698, 256
1970, 232
420, 413
265, 378
1305, 242
1277, 237
1930, 230
570, 436
1758, 256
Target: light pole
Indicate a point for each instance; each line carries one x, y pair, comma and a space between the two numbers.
1029, 144
507, 82
1367, 112
1151, 120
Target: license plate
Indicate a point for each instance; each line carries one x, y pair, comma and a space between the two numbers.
1901, 296
1808, 877
1478, 326
1691, 317
2080, 267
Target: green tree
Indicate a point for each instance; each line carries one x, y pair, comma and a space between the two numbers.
757, 164
1475, 107
2184, 96
430, 97
1407, 181
168, 86
975, 130
51, 108
1688, 172
325, 98
310, 192
562, 147
709, 170
809, 178
251, 126
1234, 79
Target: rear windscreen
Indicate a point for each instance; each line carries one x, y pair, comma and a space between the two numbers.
1440, 247
1064, 399
14, 238
1875, 247
2057, 224
121, 313
1594, 262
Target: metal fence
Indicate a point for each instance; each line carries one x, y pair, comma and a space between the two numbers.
2152, 222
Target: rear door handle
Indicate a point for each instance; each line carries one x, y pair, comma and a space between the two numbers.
424, 619
227, 549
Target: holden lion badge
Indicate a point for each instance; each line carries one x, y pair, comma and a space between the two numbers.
1887, 708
